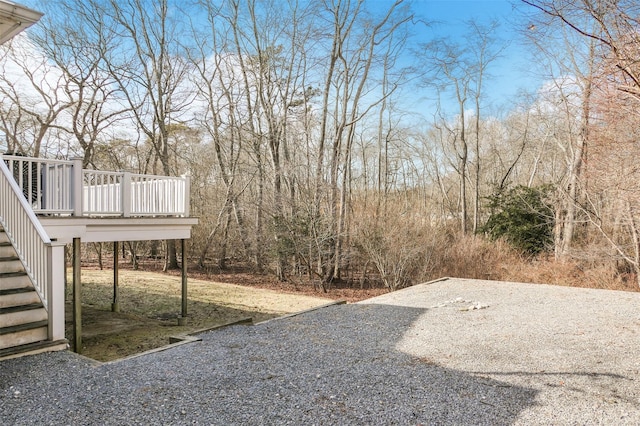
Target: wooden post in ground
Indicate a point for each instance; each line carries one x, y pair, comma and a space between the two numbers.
182, 319
115, 307
77, 298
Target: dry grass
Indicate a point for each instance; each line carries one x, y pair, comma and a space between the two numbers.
571, 273
476, 257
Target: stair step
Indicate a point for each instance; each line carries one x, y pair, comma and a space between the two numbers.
6, 250
13, 309
16, 290
13, 280
29, 333
34, 348
16, 315
18, 297
23, 327
23, 319
11, 264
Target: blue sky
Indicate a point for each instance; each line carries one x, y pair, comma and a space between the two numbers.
448, 19
461, 10
512, 71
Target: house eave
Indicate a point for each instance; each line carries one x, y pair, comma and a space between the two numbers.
14, 18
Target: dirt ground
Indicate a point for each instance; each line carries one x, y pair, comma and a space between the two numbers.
150, 303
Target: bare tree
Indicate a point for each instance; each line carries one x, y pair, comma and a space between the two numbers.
612, 89
151, 71
277, 70
611, 25
461, 71
356, 39
578, 59
217, 85
33, 99
78, 50
484, 51
612, 205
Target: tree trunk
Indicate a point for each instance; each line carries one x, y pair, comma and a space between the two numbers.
171, 256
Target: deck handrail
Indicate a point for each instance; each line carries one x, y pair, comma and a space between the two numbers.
28, 237
63, 188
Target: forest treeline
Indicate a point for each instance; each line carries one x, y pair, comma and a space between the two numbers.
307, 158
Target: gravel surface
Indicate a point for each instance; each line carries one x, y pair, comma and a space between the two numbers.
449, 352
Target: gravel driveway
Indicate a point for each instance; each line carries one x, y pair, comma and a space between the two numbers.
448, 352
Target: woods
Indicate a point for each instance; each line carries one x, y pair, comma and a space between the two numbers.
307, 161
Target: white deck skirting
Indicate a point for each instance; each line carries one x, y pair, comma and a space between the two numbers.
94, 230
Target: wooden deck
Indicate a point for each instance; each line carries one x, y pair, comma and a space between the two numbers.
47, 204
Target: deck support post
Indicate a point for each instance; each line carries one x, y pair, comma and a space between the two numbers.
56, 291
182, 319
115, 307
77, 299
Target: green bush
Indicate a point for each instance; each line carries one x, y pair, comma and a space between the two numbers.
523, 217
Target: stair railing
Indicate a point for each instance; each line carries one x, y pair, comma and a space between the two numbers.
29, 239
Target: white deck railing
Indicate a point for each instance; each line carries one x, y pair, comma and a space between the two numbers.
25, 232
57, 187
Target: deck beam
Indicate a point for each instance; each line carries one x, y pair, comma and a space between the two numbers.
95, 230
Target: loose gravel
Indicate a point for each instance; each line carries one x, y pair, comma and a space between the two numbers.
449, 352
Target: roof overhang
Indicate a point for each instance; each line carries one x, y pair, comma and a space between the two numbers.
14, 18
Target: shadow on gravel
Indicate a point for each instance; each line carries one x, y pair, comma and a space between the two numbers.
336, 365
341, 363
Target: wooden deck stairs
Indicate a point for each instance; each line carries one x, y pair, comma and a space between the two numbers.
23, 318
